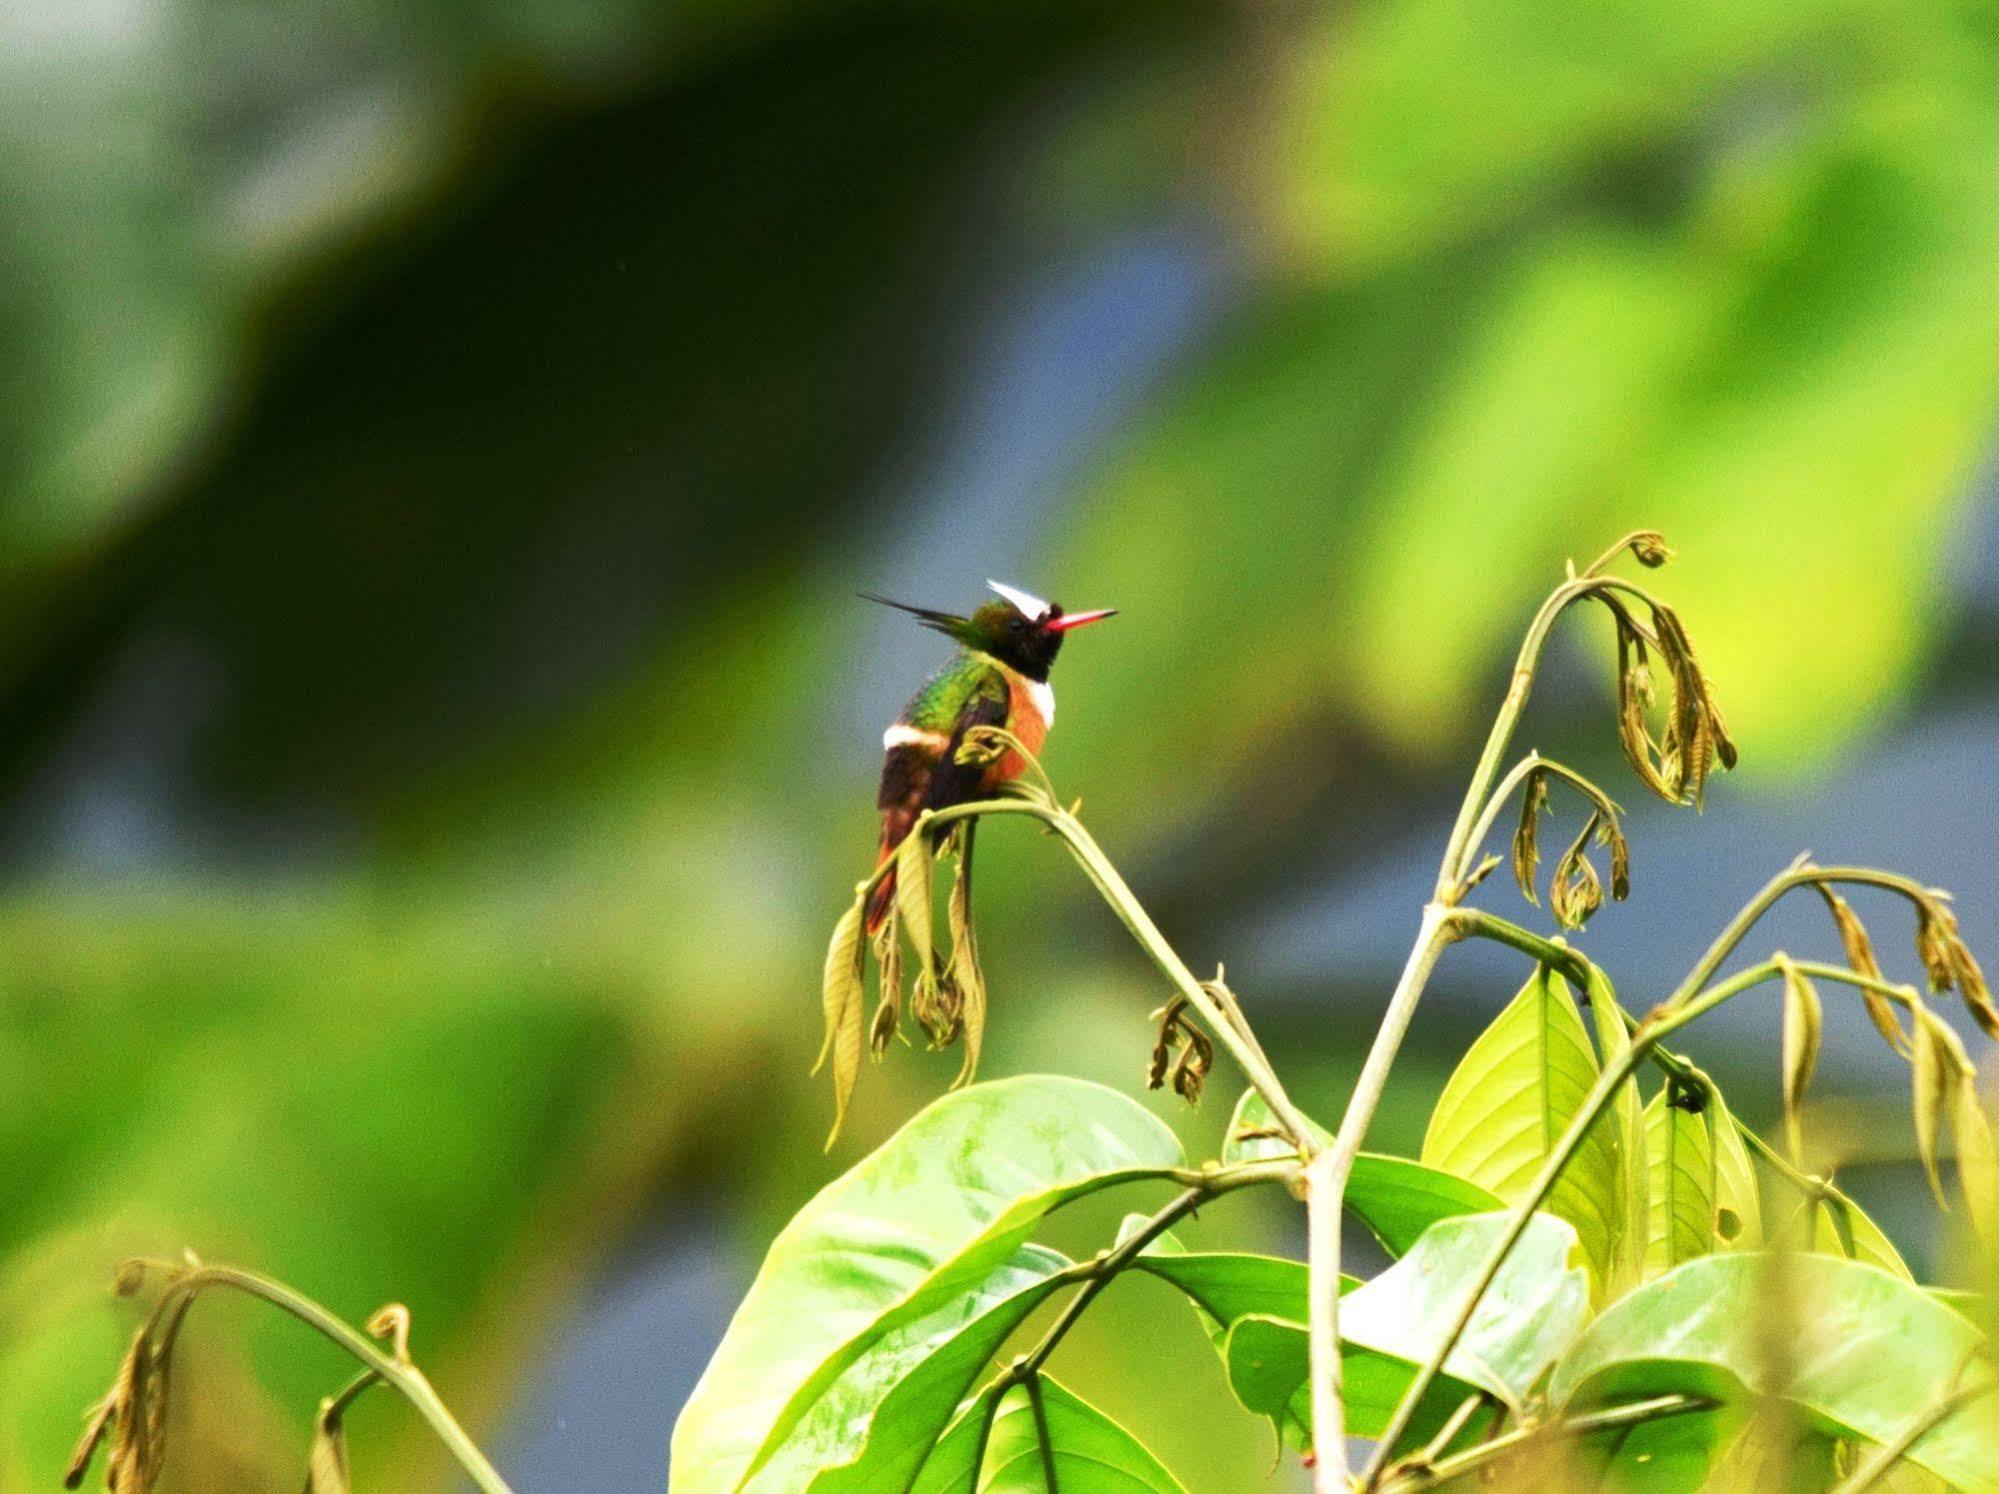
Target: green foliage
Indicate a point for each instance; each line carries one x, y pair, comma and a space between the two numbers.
871, 1279
1863, 1354
1508, 1103
1639, 1307
1088, 1451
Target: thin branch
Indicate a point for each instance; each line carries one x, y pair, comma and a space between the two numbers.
400, 1374
1243, 1048
1326, 1178
1424, 1476
1041, 1433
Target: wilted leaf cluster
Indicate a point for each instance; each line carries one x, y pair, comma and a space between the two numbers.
1676, 764
1576, 889
1182, 1051
132, 1416
947, 997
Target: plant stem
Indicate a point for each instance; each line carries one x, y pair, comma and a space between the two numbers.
1801, 873
1041, 1433
1097, 1274
400, 1374
1474, 1458
1450, 873
1229, 1031
1325, 1193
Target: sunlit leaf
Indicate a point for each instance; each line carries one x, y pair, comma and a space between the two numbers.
1091, 1454
1737, 1195
1510, 1099
1865, 1354
919, 1375
908, 1230
1684, 1184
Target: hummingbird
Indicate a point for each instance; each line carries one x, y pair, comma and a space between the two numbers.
998, 677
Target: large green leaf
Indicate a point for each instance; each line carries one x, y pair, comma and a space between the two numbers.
1867, 1352
921, 1221
1396, 1199
913, 1414
1395, 1322
1091, 1454
1682, 1156
1510, 1099
1738, 1196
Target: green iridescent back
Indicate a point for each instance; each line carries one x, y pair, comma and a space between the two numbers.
937, 705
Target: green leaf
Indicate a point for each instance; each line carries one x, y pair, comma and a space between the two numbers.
1613, 1039
1845, 1230
1737, 1196
1867, 1353
1395, 1322
919, 1404
1683, 1184
1508, 1103
1092, 1453
1396, 1199
1227, 1285
925, 1219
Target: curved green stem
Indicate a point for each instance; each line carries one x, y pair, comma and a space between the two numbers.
1443, 1470
1228, 1029
1525, 663
402, 1375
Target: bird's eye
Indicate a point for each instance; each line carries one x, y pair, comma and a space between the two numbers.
1019, 625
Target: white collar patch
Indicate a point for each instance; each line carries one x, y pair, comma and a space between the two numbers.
1027, 603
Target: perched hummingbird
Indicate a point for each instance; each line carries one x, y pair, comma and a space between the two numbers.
998, 677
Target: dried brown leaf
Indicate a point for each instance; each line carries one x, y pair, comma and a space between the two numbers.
1526, 838
841, 998
1860, 959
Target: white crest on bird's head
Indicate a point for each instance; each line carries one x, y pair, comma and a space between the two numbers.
1026, 603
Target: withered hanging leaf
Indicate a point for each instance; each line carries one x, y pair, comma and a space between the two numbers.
1634, 700
841, 998
938, 1004
1162, 1046
1804, 1025
1977, 1160
1936, 1079
965, 968
1575, 892
326, 1467
138, 1419
1964, 970
1933, 943
1620, 858
1696, 736
1526, 839
888, 989
1181, 1048
914, 861
1861, 961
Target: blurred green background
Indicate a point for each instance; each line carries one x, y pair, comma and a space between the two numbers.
439, 446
